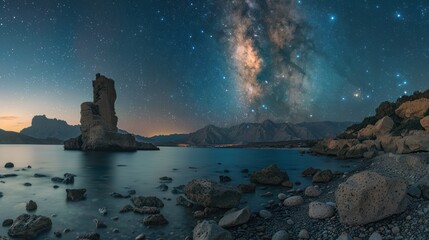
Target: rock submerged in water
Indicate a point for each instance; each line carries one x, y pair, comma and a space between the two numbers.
89, 236
98, 120
151, 201
29, 226
155, 220
270, 175
31, 206
76, 194
212, 194
9, 165
368, 197
209, 230
323, 176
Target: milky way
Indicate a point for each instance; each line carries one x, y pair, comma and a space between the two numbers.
270, 49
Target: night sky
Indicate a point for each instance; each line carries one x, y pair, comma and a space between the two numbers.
180, 65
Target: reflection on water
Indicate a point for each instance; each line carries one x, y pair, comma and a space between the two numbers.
102, 173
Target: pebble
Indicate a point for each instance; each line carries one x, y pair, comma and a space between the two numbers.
265, 214
280, 235
303, 234
395, 230
375, 236
281, 196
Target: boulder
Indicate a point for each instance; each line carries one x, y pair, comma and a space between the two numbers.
29, 226
265, 214
425, 123
323, 176
319, 210
368, 197
270, 175
235, 218
247, 188
140, 201
381, 127
76, 194
293, 201
212, 194
333, 147
416, 141
309, 172
9, 165
209, 230
413, 109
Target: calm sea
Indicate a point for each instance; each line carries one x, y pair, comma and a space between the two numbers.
103, 173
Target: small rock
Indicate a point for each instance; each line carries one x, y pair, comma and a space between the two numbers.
375, 236
312, 191
31, 206
99, 224
89, 236
118, 195
290, 222
319, 210
102, 211
280, 235
247, 188
39, 175
9, 165
414, 191
224, 179
293, 201
303, 234
27, 184
141, 237
58, 234
265, 214
235, 218
163, 187
166, 179
76, 194
281, 196
395, 230
154, 220
115, 230
7, 222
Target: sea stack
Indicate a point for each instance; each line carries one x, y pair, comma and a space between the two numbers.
99, 131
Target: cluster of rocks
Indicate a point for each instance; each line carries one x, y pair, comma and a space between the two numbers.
403, 129
99, 131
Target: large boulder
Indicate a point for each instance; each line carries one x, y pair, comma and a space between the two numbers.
368, 197
235, 218
333, 147
425, 123
413, 109
381, 127
323, 176
212, 194
209, 230
29, 226
415, 141
270, 175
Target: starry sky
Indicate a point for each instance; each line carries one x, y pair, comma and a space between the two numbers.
179, 65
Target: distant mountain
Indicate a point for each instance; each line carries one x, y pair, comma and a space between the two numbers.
43, 128
266, 131
163, 139
7, 137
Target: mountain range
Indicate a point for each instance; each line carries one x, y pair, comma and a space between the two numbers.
54, 131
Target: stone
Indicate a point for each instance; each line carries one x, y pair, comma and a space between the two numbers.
39, 175
99, 131
247, 188
333, 147
369, 154
309, 172
312, 191
76, 194
265, 214
319, 210
375, 236
415, 141
235, 218
29, 226
224, 179
126, 208
323, 176
293, 201
9, 165
395, 230
99, 224
141, 201
425, 123
344, 236
7, 222
281, 196
209, 230
287, 183
368, 197
118, 195
31, 206
141, 237
280, 235
381, 127
155, 220
303, 234
270, 175
413, 109
414, 191
146, 210
212, 194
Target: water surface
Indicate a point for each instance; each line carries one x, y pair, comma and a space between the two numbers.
102, 173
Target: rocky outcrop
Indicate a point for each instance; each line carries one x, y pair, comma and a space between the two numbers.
98, 121
209, 230
29, 226
270, 175
414, 141
212, 194
413, 109
382, 127
368, 197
